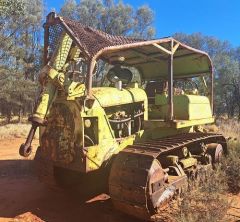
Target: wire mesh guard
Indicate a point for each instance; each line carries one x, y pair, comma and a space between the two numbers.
54, 32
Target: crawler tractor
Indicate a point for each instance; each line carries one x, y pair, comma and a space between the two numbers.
127, 113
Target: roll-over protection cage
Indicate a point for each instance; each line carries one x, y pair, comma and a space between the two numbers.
160, 58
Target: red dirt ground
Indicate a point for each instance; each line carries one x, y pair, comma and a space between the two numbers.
24, 199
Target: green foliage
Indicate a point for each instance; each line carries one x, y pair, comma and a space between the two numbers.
11, 7
114, 18
21, 41
21, 47
20, 55
143, 21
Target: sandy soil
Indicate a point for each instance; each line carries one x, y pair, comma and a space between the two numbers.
24, 199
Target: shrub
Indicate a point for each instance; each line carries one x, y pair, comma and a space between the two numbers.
205, 199
231, 166
11, 131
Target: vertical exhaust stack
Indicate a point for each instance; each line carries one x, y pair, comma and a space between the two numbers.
118, 85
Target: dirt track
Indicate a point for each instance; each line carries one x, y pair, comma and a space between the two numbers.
24, 197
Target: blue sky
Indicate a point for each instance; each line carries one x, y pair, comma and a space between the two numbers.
218, 18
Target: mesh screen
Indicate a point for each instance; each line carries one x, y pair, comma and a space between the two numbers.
90, 40
54, 34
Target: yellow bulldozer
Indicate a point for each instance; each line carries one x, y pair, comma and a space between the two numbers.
128, 113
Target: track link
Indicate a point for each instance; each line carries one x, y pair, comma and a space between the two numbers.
137, 183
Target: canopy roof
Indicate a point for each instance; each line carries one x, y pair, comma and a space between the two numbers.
149, 57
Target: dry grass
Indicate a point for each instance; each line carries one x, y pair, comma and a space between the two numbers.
208, 200
231, 166
205, 200
11, 131
14, 120
229, 128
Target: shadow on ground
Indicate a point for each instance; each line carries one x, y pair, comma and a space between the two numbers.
21, 192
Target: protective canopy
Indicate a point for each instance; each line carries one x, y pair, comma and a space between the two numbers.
149, 57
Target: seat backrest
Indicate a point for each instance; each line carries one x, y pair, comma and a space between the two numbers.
153, 88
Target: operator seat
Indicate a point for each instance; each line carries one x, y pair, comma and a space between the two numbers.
153, 88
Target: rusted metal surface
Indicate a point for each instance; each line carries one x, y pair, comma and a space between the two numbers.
45, 52
26, 148
88, 39
58, 138
167, 144
212, 89
137, 182
170, 84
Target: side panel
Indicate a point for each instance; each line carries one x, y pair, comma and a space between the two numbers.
186, 107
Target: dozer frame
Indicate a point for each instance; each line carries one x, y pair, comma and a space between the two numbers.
130, 127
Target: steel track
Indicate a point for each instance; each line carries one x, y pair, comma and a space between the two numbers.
128, 183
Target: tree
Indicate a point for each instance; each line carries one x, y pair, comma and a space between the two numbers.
113, 18
20, 52
143, 22
69, 9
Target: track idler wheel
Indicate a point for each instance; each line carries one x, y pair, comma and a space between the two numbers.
216, 152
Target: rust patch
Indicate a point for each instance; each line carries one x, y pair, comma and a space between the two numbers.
58, 138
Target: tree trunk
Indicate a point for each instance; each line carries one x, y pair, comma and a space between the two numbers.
238, 111
20, 115
9, 116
